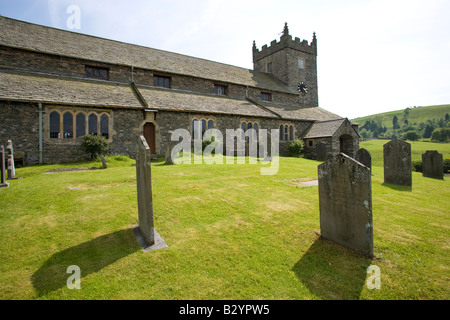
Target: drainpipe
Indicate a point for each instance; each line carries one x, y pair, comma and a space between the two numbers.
40, 133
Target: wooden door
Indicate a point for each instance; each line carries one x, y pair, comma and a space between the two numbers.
149, 134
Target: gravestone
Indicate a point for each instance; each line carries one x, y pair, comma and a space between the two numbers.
103, 162
363, 156
432, 165
11, 166
144, 190
169, 148
345, 202
321, 151
3, 182
397, 163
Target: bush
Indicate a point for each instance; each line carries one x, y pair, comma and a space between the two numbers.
417, 165
295, 148
95, 145
411, 135
441, 135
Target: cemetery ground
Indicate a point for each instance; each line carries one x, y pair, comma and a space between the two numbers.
231, 233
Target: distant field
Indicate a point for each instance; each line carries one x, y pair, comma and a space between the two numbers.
416, 115
375, 147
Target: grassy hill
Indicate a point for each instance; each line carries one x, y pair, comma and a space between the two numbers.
416, 115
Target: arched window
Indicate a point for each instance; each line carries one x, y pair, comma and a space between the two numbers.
104, 126
255, 126
243, 128
68, 125
286, 136
281, 132
249, 129
291, 133
81, 125
203, 127
195, 129
210, 124
55, 125
93, 125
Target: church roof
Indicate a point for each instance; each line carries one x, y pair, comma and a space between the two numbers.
294, 112
49, 40
27, 87
323, 129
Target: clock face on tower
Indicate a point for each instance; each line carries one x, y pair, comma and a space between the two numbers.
302, 88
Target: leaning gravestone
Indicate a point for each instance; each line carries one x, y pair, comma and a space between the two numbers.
11, 166
363, 156
432, 165
397, 163
169, 148
145, 233
321, 151
102, 158
345, 201
3, 182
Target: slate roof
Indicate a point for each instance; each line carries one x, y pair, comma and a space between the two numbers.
167, 99
26, 87
44, 39
322, 129
294, 112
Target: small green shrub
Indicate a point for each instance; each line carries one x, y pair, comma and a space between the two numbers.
295, 148
95, 145
417, 165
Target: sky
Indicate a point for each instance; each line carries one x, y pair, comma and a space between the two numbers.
373, 55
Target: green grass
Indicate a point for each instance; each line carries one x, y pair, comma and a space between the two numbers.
375, 147
232, 234
416, 115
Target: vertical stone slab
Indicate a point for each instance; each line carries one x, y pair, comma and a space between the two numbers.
102, 158
169, 148
363, 156
397, 163
11, 166
144, 190
345, 201
3, 182
433, 165
321, 151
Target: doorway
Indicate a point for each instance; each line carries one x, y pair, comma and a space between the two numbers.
150, 136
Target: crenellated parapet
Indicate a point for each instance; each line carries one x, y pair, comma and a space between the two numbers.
286, 41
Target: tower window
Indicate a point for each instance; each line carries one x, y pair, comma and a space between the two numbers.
266, 96
160, 81
301, 64
269, 67
220, 90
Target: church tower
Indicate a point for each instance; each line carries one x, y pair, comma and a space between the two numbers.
292, 61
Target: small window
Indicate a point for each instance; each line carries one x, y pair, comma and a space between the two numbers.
68, 126
195, 129
97, 73
203, 127
55, 125
291, 133
266, 96
255, 127
310, 143
104, 126
160, 81
93, 129
210, 124
281, 132
286, 137
81, 125
269, 67
301, 64
244, 128
220, 90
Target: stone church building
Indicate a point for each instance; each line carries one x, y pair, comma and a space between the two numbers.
57, 86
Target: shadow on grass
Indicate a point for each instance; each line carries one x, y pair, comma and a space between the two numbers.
332, 272
90, 256
397, 187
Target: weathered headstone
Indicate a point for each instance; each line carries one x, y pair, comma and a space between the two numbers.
345, 201
363, 156
397, 163
432, 165
103, 162
144, 190
169, 148
11, 166
321, 151
3, 182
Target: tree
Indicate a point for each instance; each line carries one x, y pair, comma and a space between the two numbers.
95, 145
411, 135
395, 123
441, 135
447, 117
428, 131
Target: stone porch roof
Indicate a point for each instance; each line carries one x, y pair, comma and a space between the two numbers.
294, 112
323, 129
49, 40
32, 87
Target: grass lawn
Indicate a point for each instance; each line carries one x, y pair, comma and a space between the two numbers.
231, 233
